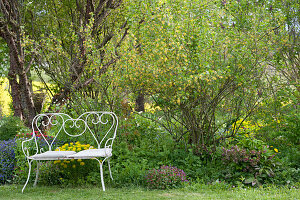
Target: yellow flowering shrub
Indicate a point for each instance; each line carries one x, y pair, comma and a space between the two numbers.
77, 146
74, 170
248, 127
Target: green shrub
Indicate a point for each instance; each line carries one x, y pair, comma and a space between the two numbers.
287, 138
283, 132
286, 175
142, 145
50, 174
9, 127
250, 161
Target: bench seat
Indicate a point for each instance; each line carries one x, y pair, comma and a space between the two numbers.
52, 155
63, 155
92, 153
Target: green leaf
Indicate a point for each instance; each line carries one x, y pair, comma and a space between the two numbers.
249, 180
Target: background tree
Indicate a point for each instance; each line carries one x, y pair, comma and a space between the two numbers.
79, 48
11, 22
203, 64
4, 64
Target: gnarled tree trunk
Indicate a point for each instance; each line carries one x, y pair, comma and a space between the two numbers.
10, 31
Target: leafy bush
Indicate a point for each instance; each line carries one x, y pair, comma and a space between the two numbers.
9, 127
7, 160
250, 161
142, 145
165, 178
286, 136
287, 175
50, 174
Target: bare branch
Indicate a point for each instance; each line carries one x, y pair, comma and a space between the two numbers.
106, 39
100, 7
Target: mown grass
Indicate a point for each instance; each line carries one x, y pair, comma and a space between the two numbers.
199, 192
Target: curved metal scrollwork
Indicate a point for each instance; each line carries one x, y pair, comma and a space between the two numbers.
80, 125
99, 119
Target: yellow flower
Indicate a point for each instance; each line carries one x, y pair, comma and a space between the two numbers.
74, 166
72, 160
276, 150
79, 160
81, 163
65, 166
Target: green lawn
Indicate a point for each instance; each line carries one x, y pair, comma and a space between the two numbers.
55, 192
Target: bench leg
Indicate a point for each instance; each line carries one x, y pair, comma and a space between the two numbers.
109, 169
29, 164
37, 173
101, 173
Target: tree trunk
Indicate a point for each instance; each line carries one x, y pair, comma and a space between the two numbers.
14, 89
20, 88
140, 103
10, 31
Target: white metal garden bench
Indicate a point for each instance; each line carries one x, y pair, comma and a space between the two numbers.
98, 125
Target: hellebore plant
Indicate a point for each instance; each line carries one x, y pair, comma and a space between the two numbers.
166, 177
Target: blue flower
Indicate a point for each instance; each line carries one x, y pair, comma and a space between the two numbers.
7, 160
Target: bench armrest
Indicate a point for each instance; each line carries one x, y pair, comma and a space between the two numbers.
26, 150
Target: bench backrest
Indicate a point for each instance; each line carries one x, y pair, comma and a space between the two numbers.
99, 125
